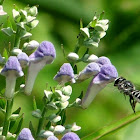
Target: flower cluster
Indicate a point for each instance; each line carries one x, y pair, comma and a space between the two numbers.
25, 134
34, 57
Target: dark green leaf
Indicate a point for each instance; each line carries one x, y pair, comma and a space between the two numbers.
81, 95
2, 103
75, 69
34, 103
19, 126
32, 129
17, 111
9, 24
48, 125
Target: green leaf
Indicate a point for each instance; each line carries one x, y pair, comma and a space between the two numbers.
64, 117
113, 127
2, 103
24, 34
2, 110
8, 31
33, 24
101, 15
48, 125
32, 129
5, 54
81, 95
19, 126
37, 113
17, 111
75, 69
9, 24
14, 117
34, 103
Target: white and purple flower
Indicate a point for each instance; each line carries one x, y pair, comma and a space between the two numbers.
45, 54
25, 134
65, 74
11, 71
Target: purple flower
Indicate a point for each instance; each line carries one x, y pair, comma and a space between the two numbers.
107, 74
52, 138
11, 71
23, 59
103, 60
65, 74
90, 70
70, 136
45, 54
25, 134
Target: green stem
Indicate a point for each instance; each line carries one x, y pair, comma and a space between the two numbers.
17, 39
77, 47
113, 127
1, 2
41, 121
7, 115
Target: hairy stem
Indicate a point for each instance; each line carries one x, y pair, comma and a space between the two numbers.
41, 121
7, 115
17, 39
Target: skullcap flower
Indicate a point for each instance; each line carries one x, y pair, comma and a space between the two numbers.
65, 74
52, 138
90, 70
23, 59
25, 134
45, 54
107, 75
103, 60
70, 136
11, 71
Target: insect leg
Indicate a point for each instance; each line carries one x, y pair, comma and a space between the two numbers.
132, 103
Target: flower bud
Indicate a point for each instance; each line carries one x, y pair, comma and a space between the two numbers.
75, 127
92, 58
56, 119
59, 129
16, 51
85, 32
2, 138
48, 94
33, 11
51, 128
31, 46
13, 117
16, 14
72, 57
2, 11
67, 90
46, 134
62, 105
37, 113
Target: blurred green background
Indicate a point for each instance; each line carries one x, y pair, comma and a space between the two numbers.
59, 23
